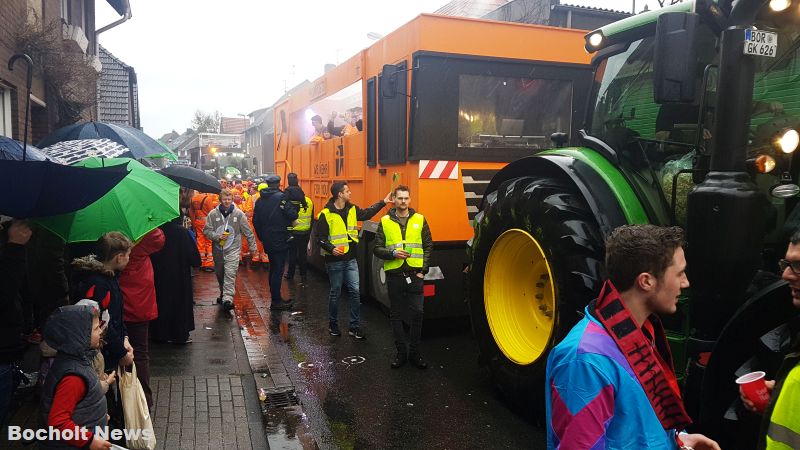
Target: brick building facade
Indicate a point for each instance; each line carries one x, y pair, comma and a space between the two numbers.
72, 23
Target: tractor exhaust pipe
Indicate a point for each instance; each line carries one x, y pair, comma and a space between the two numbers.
726, 212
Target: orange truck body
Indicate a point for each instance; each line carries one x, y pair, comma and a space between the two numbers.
445, 187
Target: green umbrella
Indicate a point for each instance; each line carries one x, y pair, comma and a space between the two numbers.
167, 154
142, 201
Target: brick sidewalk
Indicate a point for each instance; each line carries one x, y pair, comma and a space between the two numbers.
204, 393
202, 412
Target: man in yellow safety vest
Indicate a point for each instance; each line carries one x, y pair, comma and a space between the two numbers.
300, 230
780, 429
403, 240
337, 235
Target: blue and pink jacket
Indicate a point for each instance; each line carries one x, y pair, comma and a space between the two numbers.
594, 400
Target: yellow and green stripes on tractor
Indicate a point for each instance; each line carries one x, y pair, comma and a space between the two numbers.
519, 296
631, 206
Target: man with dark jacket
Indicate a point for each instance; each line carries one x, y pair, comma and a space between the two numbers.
12, 275
337, 235
301, 230
272, 216
404, 242
780, 426
46, 276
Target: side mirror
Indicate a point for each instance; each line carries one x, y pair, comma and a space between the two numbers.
675, 58
389, 81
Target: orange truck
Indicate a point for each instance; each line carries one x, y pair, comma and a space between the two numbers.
440, 105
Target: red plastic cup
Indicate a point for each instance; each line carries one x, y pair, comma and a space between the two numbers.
754, 389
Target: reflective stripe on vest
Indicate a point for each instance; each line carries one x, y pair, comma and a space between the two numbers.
338, 232
412, 242
303, 222
784, 424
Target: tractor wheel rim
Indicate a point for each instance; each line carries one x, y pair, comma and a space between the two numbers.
519, 296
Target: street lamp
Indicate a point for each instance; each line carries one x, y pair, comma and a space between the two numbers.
374, 36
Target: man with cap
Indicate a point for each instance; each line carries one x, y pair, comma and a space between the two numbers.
337, 234
272, 216
301, 230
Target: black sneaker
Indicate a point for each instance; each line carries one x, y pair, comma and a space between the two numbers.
228, 305
399, 360
282, 306
417, 361
334, 330
356, 333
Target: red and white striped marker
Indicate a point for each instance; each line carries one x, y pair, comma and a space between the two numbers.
441, 170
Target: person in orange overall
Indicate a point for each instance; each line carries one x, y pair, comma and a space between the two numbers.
201, 205
259, 256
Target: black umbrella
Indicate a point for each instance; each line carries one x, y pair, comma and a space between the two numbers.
191, 178
139, 144
13, 149
44, 188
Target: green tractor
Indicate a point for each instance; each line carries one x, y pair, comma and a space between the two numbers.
692, 121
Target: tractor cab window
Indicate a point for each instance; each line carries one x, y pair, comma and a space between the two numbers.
510, 112
624, 94
656, 143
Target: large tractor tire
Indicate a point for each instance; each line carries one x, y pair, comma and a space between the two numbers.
535, 264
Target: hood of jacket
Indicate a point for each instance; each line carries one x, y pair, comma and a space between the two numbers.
270, 191
88, 265
393, 213
332, 206
69, 331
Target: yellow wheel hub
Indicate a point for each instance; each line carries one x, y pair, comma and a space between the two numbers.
519, 296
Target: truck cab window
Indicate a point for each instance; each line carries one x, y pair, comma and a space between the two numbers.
512, 112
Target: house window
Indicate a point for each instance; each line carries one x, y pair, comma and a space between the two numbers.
5, 112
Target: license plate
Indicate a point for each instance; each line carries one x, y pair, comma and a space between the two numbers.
760, 43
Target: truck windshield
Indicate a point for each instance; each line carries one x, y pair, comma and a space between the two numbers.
512, 112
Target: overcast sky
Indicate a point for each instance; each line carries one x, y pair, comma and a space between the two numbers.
237, 56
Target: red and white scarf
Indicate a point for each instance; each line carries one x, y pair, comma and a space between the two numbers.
651, 361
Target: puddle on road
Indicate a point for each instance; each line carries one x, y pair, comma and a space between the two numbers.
288, 428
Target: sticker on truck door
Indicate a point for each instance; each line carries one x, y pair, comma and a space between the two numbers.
760, 43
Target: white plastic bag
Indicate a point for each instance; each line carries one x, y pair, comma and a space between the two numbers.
140, 434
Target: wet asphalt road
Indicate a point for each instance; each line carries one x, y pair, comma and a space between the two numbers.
351, 398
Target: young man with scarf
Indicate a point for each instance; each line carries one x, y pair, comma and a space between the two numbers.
224, 227
610, 382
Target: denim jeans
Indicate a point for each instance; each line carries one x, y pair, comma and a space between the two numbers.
277, 261
298, 255
7, 387
407, 300
344, 273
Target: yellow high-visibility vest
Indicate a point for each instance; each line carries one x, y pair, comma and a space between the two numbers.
303, 222
412, 242
784, 424
338, 232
